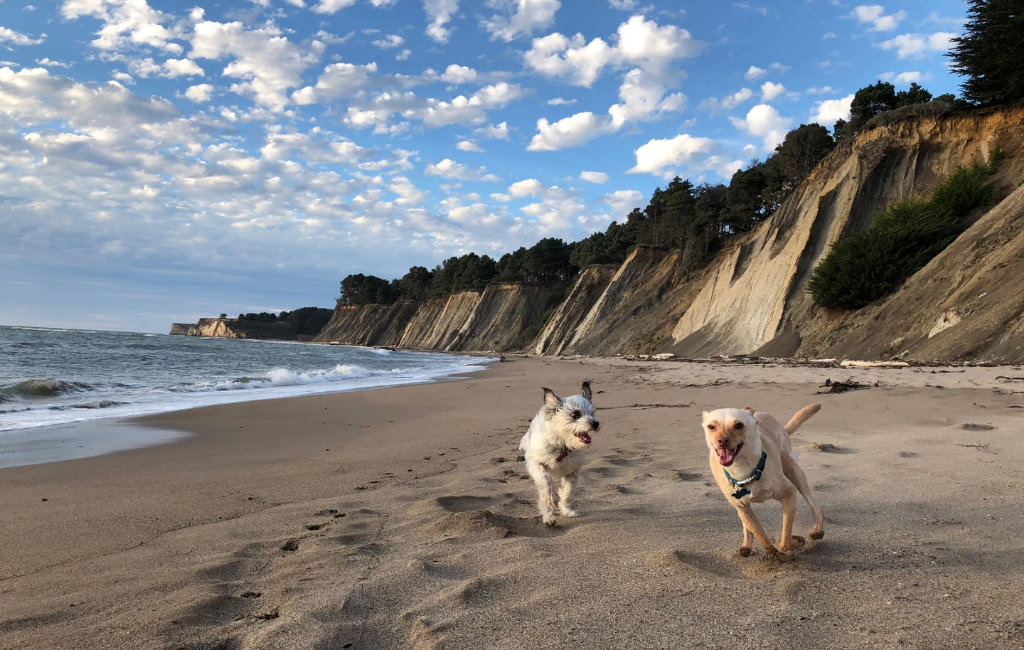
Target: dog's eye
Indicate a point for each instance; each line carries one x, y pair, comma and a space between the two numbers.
576, 415
738, 426
711, 427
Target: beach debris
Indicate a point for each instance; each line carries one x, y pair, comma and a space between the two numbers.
825, 447
983, 447
251, 594
498, 459
971, 426
849, 363
313, 526
842, 386
45, 499
1005, 378
340, 514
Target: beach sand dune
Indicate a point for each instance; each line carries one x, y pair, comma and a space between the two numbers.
401, 518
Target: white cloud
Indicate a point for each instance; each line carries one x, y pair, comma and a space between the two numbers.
266, 63
338, 80
682, 151
126, 23
50, 63
726, 103
390, 41
458, 74
904, 78
493, 131
558, 101
440, 14
403, 55
830, 110
638, 42
199, 93
823, 90
332, 6
916, 46
770, 91
448, 168
169, 69
764, 121
875, 14
754, 72
567, 132
16, 38
623, 5
594, 177
622, 202
469, 145
779, 67
828, 36
519, 17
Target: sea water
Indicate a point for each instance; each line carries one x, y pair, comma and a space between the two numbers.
57, 376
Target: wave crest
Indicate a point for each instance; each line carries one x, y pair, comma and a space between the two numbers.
36, 388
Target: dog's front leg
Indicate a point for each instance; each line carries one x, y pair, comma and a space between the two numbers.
545, 495
748, 541
789, 540
751, 524
565, 492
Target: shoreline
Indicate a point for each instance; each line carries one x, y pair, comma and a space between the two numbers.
399, 517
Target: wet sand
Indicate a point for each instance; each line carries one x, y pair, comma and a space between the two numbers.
399, 518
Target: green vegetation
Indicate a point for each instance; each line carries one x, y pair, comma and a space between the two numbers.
990, 51
305, 320
873, 264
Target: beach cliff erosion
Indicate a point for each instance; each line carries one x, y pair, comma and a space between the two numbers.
752, 298
181, 329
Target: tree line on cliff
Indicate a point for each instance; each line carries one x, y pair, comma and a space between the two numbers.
698, 219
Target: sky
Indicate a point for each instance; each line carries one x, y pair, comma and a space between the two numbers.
166, 160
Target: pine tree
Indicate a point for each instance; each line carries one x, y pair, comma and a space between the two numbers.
990, 52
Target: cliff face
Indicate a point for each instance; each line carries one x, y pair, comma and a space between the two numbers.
754, 297
181, 329
232, 328
495, 320
965, 304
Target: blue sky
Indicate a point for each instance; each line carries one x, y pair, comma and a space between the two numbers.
167, 160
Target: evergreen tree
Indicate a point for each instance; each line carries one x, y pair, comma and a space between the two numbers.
990, 52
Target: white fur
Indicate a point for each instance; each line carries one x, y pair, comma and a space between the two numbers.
552, 431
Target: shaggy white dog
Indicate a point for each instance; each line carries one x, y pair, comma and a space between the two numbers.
554, 449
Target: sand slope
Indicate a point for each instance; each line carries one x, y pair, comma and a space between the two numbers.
418, 530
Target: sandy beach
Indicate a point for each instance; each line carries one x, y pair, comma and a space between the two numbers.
400, 518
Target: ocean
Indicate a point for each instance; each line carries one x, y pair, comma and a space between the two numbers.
56, 376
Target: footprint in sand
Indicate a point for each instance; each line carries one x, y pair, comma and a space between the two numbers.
971, 426
290, 546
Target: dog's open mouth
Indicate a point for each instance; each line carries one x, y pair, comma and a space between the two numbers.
584, 438
726, 456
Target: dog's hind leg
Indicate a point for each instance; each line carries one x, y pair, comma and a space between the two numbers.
565, 493
796, 475
751, 523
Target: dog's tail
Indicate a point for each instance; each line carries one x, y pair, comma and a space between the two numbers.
801, 416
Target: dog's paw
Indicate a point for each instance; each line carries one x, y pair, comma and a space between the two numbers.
781, 556
817, 534
549, 522
569, 512
744, 551
795, 542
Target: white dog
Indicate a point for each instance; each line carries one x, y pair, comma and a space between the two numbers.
553, 447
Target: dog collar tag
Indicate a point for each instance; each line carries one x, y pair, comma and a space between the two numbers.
743, 491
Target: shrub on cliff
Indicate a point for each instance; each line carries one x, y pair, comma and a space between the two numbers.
875, 263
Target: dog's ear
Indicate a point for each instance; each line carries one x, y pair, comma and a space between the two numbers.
551, 400
703, 416
750, 409
586, 390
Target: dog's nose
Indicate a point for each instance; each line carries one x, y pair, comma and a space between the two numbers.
723, 443
595, 425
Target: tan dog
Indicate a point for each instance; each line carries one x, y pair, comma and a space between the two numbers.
753, 461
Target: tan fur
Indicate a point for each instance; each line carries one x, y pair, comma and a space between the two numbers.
748, 433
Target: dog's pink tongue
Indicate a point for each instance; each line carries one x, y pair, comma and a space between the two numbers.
726, 456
